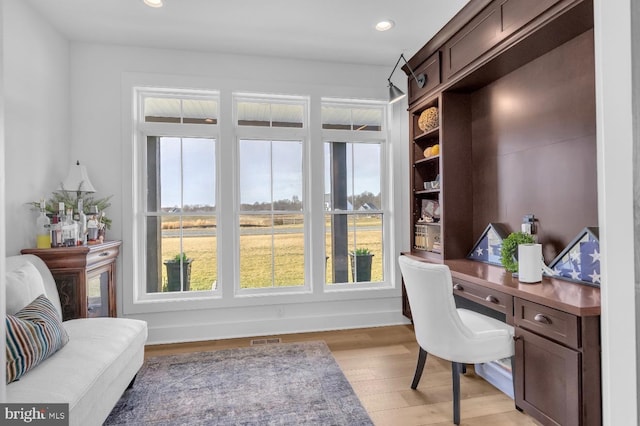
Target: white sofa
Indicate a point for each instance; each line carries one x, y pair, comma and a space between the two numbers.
92, 370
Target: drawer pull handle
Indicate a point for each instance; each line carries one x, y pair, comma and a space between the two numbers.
516, 338
458, 287
106, 253
542, 319
492, 299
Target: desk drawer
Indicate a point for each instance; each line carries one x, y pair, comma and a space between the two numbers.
495, 300
560, 326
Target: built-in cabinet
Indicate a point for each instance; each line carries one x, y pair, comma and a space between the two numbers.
557, 364
514, 85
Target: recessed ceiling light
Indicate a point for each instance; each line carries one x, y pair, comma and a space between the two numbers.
385, 25
153, 3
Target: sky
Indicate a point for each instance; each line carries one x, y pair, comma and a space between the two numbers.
265, 166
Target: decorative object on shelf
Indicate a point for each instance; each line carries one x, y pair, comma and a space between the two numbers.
429, 119
509, 249
92, 206
73, 193
430, 211
432, 184
488, 247
431, 151
361, 259
580, 260
396, 94
530, 263
427, 236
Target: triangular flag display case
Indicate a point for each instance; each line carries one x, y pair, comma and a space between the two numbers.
487, 248
580, 260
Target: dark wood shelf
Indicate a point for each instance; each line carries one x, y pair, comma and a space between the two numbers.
427, 160
433, 133
426, 191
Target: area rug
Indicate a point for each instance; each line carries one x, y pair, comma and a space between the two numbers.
275, 384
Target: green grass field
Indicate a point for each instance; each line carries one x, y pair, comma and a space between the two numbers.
258, 268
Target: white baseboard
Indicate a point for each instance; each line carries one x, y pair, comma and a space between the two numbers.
161, 334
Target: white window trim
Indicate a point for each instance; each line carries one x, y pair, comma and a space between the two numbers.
382, 138
295, 134
159, 129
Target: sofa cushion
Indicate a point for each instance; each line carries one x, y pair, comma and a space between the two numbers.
33, 334
23, 285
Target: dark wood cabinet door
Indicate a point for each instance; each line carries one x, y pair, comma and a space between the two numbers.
547, 380
69, 289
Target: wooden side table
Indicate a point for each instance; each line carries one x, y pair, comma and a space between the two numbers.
85, 277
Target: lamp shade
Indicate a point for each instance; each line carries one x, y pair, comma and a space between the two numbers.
395, 94
77, 180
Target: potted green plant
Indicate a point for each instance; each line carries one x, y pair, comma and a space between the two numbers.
509, 249
173, 271
361, 264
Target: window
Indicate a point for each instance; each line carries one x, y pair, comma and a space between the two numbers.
179, 211
354, 203
271, 180
260, 198
175, 110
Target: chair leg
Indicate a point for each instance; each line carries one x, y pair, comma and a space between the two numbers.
422, 358
455, 376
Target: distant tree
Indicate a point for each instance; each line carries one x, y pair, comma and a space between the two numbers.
286, 205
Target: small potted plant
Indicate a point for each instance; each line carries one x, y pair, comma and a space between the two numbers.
173, 272
361, 264
509, 250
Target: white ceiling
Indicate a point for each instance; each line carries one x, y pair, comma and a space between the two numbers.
325, 30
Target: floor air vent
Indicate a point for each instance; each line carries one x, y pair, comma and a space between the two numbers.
265, 341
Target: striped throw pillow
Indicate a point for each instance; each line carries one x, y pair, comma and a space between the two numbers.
33, 334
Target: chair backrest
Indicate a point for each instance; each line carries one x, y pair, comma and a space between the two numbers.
437, 324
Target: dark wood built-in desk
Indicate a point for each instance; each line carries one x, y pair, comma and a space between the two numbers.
557, 338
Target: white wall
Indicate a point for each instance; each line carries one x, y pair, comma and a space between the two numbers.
36, 95
615, 209
3, 373
34, 126
635, 68
101, 129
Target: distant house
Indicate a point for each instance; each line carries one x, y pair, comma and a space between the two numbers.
368, 206
328, 206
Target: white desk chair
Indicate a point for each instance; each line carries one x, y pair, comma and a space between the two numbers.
457, 335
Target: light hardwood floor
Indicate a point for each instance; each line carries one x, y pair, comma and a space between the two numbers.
379, 363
